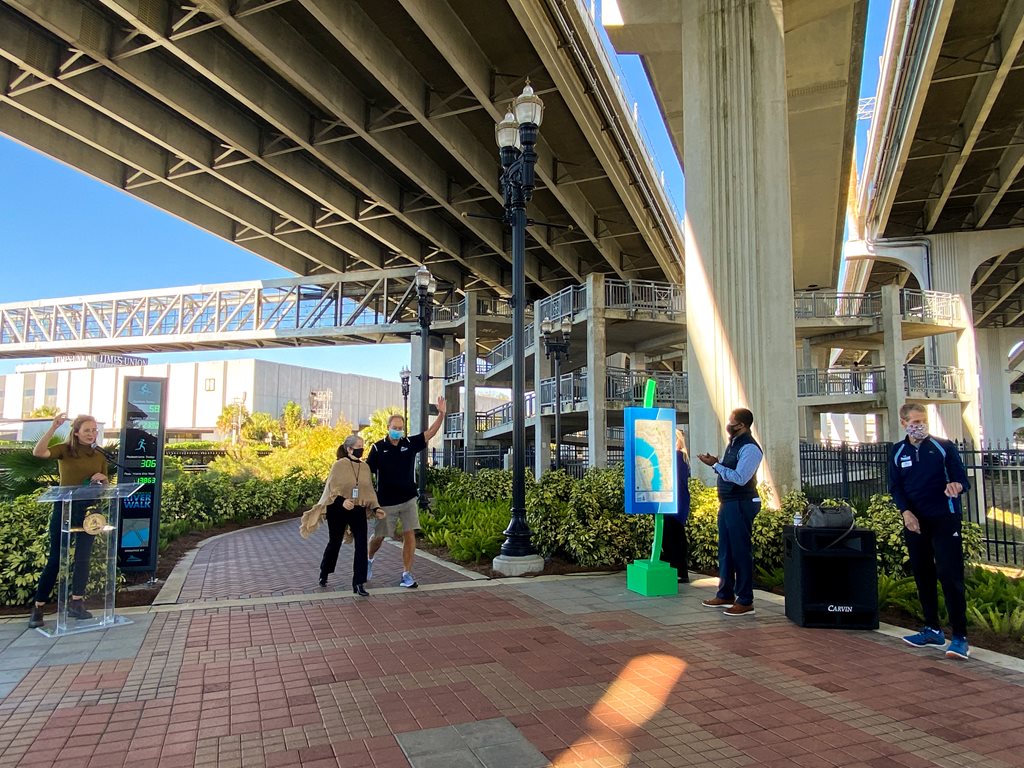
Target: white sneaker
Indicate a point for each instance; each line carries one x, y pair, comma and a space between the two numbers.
408, 581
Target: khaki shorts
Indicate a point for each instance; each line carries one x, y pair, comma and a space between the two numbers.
408, 512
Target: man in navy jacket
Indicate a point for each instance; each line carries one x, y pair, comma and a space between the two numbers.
926, 478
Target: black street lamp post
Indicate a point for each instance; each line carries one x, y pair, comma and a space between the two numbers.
425, 287
556, 344
404, 375
517, 136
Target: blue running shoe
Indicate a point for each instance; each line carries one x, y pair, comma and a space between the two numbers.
369, 568
958, 649
926, 636
408, 581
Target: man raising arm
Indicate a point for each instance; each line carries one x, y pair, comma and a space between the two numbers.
393, 460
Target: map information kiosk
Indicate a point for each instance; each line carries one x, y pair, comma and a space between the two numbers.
651, 487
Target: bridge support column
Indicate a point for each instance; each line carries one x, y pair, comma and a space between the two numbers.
993, 360
597, 378
739, 251
893, 358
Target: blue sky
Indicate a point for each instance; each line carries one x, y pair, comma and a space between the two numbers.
65, 234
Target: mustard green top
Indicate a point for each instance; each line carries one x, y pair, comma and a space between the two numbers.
76, 470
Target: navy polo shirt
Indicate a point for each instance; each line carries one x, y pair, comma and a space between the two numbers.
393, 464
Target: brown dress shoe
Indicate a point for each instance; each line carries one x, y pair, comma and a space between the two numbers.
739, 610
716, 602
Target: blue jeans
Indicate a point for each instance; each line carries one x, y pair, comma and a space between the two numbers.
735, 550
83, 550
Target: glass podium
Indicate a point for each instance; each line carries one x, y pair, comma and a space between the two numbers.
88, 548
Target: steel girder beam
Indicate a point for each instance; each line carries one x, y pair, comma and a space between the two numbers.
464, 55
999, 301
361, 36
67, 149
248, 141
178, 141
988, 272
1010, 164
289, 54
1005, 46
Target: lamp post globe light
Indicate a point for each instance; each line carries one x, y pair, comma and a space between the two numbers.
426, 285
516, 135
404, 376
556, 344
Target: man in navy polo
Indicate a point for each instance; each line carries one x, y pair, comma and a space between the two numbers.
392, 460
926, 478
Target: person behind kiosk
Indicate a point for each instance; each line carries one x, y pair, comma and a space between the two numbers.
78, 463
674, 547
738, 505
347, 501
926, 478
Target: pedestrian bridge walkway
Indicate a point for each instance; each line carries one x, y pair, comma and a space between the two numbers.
567, 671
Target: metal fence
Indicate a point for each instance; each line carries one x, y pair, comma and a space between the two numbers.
930, 306
832, 304
856, 472
813, 382
942, 380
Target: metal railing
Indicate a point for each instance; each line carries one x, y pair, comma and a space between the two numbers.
502, 414
934, 380
503, 351
645, 296
572, 390
995, 499
455, 367
454, 424
833, 304
495, 307
930, 306
566, 303
627, 386
814, 382
449, 313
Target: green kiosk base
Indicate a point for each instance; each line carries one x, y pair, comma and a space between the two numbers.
653, 577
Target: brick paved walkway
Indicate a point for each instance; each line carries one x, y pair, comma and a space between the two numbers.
570, 671
271, 560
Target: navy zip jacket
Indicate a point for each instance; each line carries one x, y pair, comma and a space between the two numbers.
918, 476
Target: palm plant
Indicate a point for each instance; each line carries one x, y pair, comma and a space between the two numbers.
22, 473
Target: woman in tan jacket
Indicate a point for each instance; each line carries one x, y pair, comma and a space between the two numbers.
348, 501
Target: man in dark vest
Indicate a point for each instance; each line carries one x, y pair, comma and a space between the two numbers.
738, 505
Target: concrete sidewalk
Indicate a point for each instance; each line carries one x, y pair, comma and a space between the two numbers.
512, 673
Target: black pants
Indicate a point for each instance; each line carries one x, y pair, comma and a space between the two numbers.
674, 547
937, 553
82, 543
338, 518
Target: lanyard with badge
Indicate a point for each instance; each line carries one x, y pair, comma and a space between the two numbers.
355, 471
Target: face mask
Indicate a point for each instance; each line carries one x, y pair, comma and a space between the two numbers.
733, 429
356, 453
395, 434
917, 431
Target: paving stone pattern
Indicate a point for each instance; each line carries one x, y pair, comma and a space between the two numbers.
273, 560
577, 670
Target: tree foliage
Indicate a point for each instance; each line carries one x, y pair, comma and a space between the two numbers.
44, 412
233, 417
262, 428
377, 429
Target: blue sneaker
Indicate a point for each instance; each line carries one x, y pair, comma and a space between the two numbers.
926, 636
369, 568
408, 581
958, 648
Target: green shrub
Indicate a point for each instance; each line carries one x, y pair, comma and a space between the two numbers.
485, 485
597, 530
547, 512
439, 478
470, 529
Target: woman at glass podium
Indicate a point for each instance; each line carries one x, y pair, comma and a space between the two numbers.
78, 463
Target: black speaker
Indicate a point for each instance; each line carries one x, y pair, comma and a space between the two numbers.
831, 582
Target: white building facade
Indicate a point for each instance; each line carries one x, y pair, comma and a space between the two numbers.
197, 392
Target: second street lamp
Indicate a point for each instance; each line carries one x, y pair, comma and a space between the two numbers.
426, 285
517, 136
556, 344
404, 375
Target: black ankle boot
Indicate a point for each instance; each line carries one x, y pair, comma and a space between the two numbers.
35, 619
323, 579
360, 590
76, 609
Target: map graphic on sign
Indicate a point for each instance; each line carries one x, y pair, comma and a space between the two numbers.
653, 460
